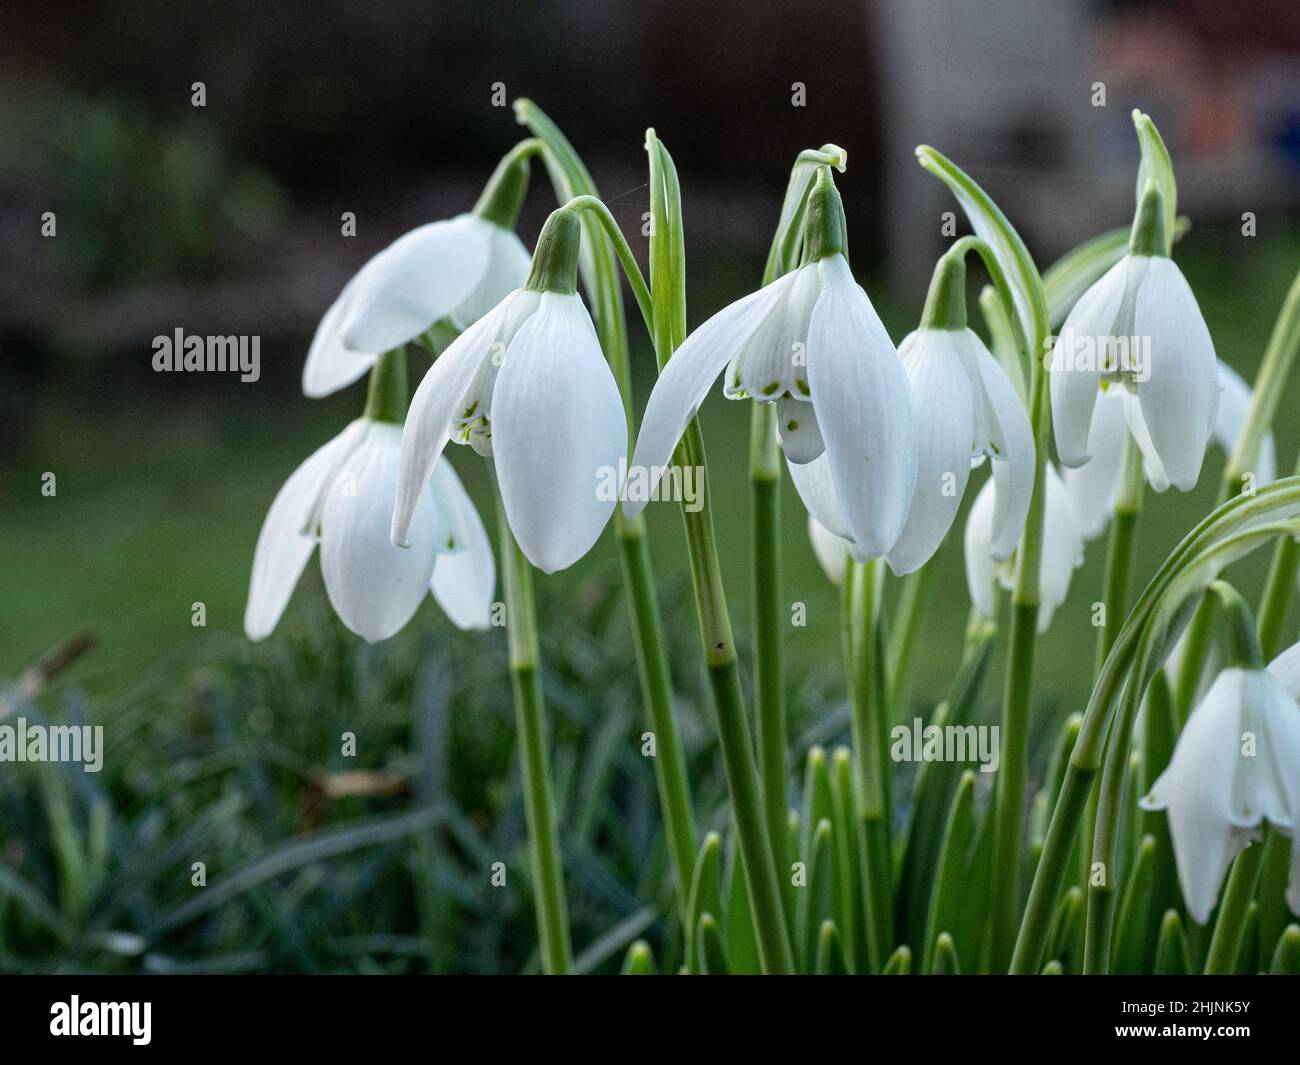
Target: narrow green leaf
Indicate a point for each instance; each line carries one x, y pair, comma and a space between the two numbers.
706, 893
1274, 914
830, 951
1027, 303
848, 874
1172, 956
612, 940
900, 962
1053, 968
742, 946
1065, 938
945, 957
1129, 956
640, 960
950, 872
1249, 957
713, 960
815, 901
1286, 959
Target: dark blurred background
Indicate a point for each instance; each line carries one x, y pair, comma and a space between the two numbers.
226, 219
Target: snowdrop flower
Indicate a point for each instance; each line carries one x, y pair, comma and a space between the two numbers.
1139, 327
967, 410
1236, 765
528, 386
457, 269
1093, 486
341, 498
832, 551
1062, 551
811, 343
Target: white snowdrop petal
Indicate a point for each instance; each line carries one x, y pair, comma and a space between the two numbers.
1180, 399
506, 270
1076, 374
864, 408
439, 398
330, 364
816, 487
417, 280
797, 430
1235, 397
832, 551
559, 434
944, 400
1012, 441
464, 577
285, 543
373, 586
981, 574
687, 377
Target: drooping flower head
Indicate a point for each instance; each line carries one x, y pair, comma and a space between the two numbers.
1139, 328
812, 344
341, 499
454, 270
1062, 551
967, 410
527, 386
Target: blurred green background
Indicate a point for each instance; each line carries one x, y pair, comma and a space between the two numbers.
225, 219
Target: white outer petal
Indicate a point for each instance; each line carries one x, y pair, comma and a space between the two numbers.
417, 280
1012, 435
558, 434
832, 551
944, 400
816, 487
1202, 791
331, 366
1093, 485
284, 545
1180, 401
687, 377
436, 400
374, 587
1286, 668
1235, 397
1074, 390
506, 270
464, 579
977, 544
864, 408
1062, 549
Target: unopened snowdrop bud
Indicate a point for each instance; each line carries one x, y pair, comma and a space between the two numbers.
528, 386
341, 499
1062, 551
967, 410
1236, 767
811, 343
832, 551
1139, 327
455, 270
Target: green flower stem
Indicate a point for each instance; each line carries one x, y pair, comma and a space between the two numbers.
506, 188
903, 632
1231, 923
598, 259
1119, 547
1270, 383
765, 489
668, 275
387, 393
765, 485
867, 722
530, 717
